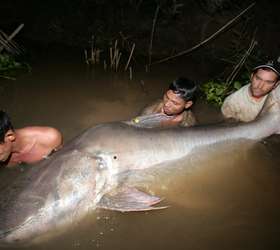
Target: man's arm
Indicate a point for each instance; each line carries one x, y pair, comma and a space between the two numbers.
229, 109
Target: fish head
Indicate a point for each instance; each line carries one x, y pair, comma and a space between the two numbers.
78, 182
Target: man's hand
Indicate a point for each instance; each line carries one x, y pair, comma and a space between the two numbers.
175, 121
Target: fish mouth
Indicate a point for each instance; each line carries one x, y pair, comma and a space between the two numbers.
4, 234
31, 231
7, 238
4, 238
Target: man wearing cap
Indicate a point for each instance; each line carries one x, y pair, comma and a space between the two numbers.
246, 103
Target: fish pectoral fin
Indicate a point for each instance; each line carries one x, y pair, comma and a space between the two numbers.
128, 200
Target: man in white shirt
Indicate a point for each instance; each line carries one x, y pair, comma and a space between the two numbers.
246, 103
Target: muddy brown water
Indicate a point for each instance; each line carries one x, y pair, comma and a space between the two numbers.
228, 201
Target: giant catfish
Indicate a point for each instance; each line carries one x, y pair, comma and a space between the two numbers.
88, 172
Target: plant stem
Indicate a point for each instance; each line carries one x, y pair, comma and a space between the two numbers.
128, 61
152, 35
207, 39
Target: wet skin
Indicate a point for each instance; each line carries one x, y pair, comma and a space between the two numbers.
173, 104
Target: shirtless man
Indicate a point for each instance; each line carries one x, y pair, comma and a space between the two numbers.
26, 145
246, 103
176, 104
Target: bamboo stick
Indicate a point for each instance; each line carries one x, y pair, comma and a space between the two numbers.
130, 73
128, 61
97, 56
152, 35
207, 39
86, 56
237, 67
10, 46
111, 56
116, 44
118, 60
146, 68
92, 56
115, 56
125, 43
12, 35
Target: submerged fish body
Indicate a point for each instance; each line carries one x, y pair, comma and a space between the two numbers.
87, 173
50, 196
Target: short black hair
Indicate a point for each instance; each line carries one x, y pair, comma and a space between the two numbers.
5, 125
184, 87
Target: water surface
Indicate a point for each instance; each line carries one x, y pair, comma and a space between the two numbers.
228, 201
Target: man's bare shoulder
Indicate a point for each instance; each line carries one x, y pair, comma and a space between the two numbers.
37, 130
152, 108
44, 135
188, 119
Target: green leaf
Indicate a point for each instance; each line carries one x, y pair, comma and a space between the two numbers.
237, 85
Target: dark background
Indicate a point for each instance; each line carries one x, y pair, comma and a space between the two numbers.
69, 26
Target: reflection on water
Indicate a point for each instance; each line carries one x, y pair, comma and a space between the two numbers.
230, 201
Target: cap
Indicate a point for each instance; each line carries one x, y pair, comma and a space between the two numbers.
273, 65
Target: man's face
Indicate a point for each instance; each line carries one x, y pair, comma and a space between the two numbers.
6, 146
262, 82
5, 150
173, 104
